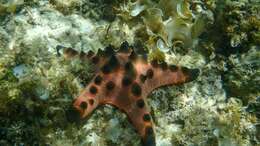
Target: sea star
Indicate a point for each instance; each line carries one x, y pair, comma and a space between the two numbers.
124, 79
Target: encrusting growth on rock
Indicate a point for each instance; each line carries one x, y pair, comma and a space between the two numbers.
124, 79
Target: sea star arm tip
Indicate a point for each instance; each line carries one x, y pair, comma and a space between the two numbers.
86, 103
141, 119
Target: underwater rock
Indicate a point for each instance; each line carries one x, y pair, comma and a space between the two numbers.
238, 26
20, 71
242, 80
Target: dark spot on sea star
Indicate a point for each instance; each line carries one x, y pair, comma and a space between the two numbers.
154, 63
58, 48
126, 81
130, 70
149, 139
95, 59
173, 68
91, 101
148, 130
149, 73
143, 78
193, 74
124, 47
140, 103
129, 66
90, 53
113, 62
110, 65
164, 65
109, 50
98, 80
147, 117
101, 53
82, 55
93, 90
110, 85
83, 105
133, 55
185, 70
106, 69
136, 89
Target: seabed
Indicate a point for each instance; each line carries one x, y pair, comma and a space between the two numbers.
38, 84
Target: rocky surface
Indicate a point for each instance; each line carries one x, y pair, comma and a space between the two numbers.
37, 83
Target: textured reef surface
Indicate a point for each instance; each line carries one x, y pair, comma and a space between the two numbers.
55, 54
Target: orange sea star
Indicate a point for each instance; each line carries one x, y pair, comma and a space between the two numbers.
124, 79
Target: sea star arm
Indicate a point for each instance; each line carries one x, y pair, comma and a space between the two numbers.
141, 119
154, 75
86, 102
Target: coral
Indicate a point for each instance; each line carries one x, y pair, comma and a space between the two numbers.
238, 26
242, 80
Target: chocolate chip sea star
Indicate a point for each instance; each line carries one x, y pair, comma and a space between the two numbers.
124, 79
